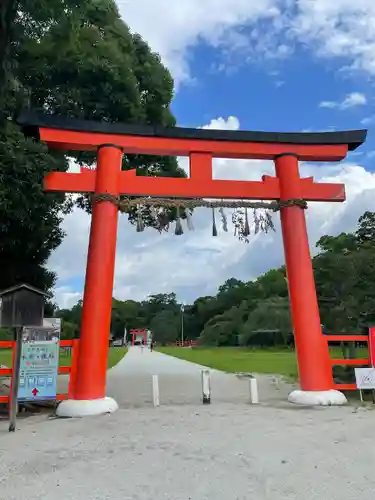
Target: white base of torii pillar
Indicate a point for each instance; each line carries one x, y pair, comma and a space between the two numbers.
75, 408
317, 398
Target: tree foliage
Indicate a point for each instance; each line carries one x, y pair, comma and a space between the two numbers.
76, 59
257, 312
29, 219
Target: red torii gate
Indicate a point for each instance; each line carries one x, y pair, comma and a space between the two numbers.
111, 141
142, 332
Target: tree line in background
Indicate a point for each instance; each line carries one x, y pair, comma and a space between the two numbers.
256, 313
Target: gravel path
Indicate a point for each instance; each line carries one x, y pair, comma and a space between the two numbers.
223, 451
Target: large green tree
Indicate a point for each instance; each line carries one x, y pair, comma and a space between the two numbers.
29, 219
268, 324
91, 66
165, 327
77, 59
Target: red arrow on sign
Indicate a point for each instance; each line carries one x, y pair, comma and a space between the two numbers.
35, 391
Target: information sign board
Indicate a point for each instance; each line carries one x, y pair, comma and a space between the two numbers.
39, 361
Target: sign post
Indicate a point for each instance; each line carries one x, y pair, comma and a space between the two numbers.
13, 399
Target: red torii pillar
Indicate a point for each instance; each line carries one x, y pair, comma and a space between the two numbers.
97, 296
110, 140
309, 341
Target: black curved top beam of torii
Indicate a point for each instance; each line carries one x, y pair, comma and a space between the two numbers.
201, 145
36, 124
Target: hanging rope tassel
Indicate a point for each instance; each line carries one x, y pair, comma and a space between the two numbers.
189, 220
140, 224
214, 228
163, 222
178, 229
224, 220
234, 221
257, 222
154, 213
246, 231
269, 223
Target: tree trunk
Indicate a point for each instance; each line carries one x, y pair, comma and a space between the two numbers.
8, 12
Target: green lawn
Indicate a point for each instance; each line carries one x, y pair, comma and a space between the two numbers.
232, 359
115, 355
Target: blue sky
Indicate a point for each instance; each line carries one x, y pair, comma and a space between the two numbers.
282, 96
274, 65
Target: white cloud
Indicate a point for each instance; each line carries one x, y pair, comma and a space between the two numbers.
351, 100
342, 28
368, 120
66, 298
265, 29
328, 104
196, 263
232, 123
171, 28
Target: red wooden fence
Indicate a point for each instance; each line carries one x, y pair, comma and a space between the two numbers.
186, 343
368, 361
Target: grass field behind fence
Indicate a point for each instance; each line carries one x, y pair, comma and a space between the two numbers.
234, 359
114, 356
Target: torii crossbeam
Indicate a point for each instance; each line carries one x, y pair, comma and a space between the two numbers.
111, 141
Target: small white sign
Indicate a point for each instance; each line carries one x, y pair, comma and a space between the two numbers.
365, 378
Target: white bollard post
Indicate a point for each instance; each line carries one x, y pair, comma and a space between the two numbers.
206, 386
155, 390
254, 397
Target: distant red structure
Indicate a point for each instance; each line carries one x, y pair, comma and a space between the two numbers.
139, 334
186, 343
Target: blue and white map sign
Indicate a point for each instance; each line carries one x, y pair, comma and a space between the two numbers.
39, 361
